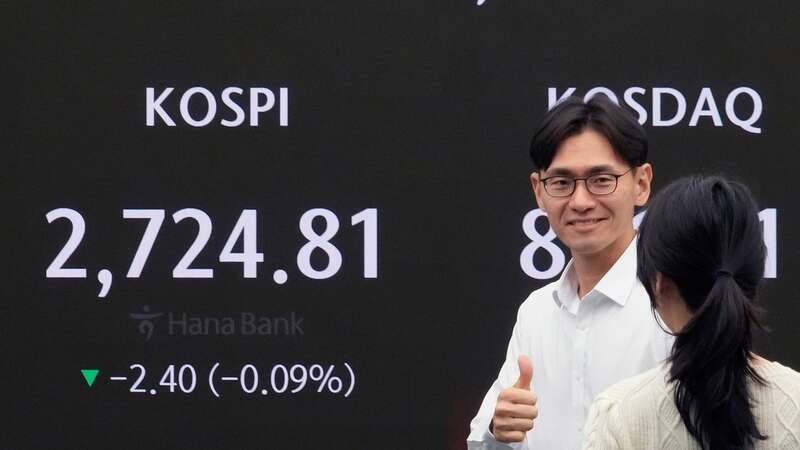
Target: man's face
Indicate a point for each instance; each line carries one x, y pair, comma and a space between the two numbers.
591, 224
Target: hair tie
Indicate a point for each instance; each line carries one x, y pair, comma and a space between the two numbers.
724, 272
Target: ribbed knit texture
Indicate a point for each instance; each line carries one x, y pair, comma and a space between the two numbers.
639, 413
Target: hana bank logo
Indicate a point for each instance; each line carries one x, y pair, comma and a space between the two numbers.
241, 324
145, 321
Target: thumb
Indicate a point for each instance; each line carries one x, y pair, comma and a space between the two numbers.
525, 373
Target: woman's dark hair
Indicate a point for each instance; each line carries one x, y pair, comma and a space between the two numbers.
703, 232
572, 116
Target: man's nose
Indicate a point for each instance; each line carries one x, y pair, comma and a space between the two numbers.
581, 199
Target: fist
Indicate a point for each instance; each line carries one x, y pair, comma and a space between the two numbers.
516, 407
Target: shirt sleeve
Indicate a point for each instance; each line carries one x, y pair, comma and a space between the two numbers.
602, 429
480, 437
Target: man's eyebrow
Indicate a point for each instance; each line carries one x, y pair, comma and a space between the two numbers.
564, 172
603, 169
558, 172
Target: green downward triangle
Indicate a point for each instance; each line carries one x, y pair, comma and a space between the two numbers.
90, 375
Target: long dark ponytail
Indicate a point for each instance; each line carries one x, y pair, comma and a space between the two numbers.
704, 234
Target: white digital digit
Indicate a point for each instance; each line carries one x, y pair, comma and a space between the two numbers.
539, 241
299, 375
168, 379
248, 368
246, 227
369, 217
135, 385
273, 379
319, 241
155, 218
56, 268
769, 219
182, 269
192, 379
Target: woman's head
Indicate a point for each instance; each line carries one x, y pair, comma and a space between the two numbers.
701, 232
701, 240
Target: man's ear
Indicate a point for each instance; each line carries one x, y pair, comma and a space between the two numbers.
538, 187
643, 176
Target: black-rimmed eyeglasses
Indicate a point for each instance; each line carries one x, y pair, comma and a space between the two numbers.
597, 184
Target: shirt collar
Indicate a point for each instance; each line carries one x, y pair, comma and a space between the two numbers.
616, 284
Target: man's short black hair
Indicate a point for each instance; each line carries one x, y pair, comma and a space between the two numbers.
573, 116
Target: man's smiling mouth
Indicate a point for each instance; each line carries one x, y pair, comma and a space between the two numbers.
585, 221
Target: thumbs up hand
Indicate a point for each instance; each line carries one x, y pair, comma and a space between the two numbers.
516, 406
525, 373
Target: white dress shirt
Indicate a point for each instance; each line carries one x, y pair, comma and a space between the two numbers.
579, 347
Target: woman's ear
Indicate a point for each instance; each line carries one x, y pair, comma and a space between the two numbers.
669, 303
659, 283
665, 289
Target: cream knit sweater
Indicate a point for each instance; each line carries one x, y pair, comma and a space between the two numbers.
639, 413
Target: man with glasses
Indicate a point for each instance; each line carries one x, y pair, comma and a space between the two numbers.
593, 326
